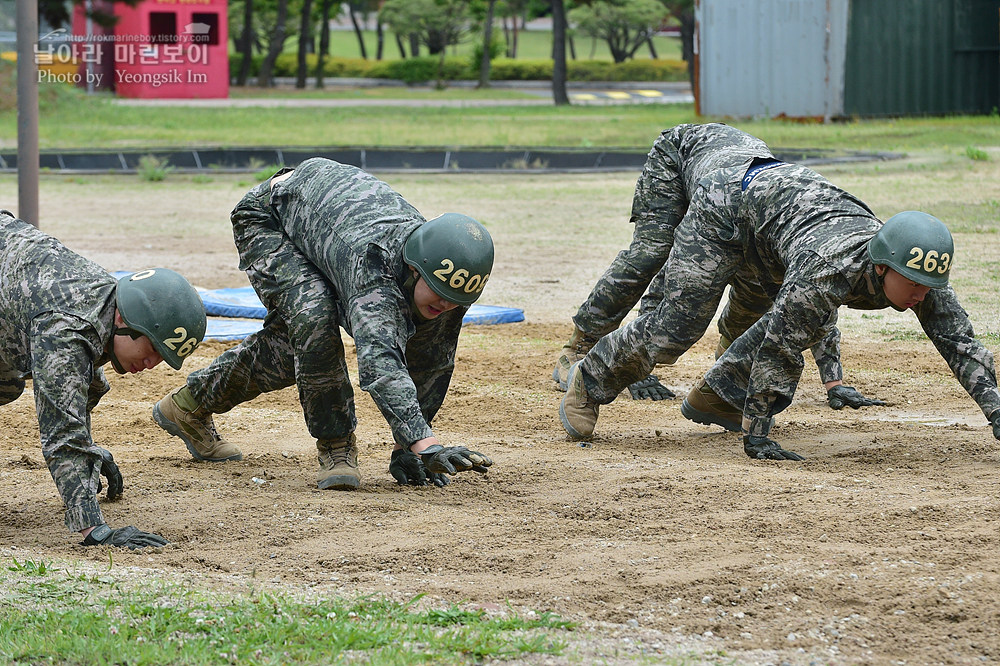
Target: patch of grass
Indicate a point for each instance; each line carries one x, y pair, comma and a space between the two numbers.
153, 168
96, 619
32, 568
976, 154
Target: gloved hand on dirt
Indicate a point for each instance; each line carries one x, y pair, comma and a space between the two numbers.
453, 459
408, 469
762, 448
995, 422
123, 537
109, 470
650, 388
841, 396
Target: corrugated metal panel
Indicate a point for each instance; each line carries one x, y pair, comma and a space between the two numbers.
771, 57
922, 56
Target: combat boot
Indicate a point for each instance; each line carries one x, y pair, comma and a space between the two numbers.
577, 411
574, 350
180, 414
702, 405
338, 464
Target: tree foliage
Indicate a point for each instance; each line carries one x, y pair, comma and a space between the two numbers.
436, 23
624, 24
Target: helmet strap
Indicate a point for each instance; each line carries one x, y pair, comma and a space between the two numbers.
120, 330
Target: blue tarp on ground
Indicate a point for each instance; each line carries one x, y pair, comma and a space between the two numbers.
243, 302
231, 329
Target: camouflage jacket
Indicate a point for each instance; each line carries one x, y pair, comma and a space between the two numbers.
57, 310
352, 226
808, 241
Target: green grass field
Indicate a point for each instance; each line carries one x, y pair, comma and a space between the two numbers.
71, 119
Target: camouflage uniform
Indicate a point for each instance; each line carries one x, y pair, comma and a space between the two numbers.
746, 304
58, 313
807, 242
323, 250
676, 163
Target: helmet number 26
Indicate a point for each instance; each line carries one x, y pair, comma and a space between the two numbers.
460, 279
187, 344
929, 262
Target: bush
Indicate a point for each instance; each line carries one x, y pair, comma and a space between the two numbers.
424, 69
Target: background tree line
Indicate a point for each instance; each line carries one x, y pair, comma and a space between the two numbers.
262, 28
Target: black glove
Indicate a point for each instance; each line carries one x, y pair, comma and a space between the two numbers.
995, 422
130, 537
408, 469
840, 396
762, 448
109, 470
453, 459
650, 388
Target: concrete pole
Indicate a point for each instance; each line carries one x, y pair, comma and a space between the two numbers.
27, 111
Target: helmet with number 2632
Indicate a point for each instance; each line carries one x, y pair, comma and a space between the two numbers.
916, 245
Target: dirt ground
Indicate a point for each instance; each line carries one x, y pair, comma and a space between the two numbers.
880, 548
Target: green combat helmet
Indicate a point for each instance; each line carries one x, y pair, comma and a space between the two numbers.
161, 305
916, 245
454, 255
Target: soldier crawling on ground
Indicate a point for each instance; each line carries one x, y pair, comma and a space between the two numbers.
678, 160
64, 317
813, 247
326, 246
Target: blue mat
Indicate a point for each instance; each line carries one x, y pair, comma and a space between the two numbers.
243, 302
231, 329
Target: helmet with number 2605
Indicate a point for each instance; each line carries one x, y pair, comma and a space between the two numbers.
163, 306
454, 255
916, 245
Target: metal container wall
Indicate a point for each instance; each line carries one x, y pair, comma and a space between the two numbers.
771, 57
923, 57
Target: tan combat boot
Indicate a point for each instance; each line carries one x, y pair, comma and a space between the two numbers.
577, 411
574, 350
702, 405
180, 414
338, 464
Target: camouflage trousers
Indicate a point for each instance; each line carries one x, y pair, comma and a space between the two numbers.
76, 471
706, 256
300, 342
730, 377
747, 302
658, 205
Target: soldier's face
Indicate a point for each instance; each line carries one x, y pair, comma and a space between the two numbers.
902, 292
135, 355
428, 303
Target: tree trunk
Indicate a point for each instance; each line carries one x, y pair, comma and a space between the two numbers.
559, 95
246, 44
399, 45
513, 38
652, 48
572, 47
357, 30
305, 37
276, 42
687, 41
415, 45
324, 42
484, 64
380, 33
